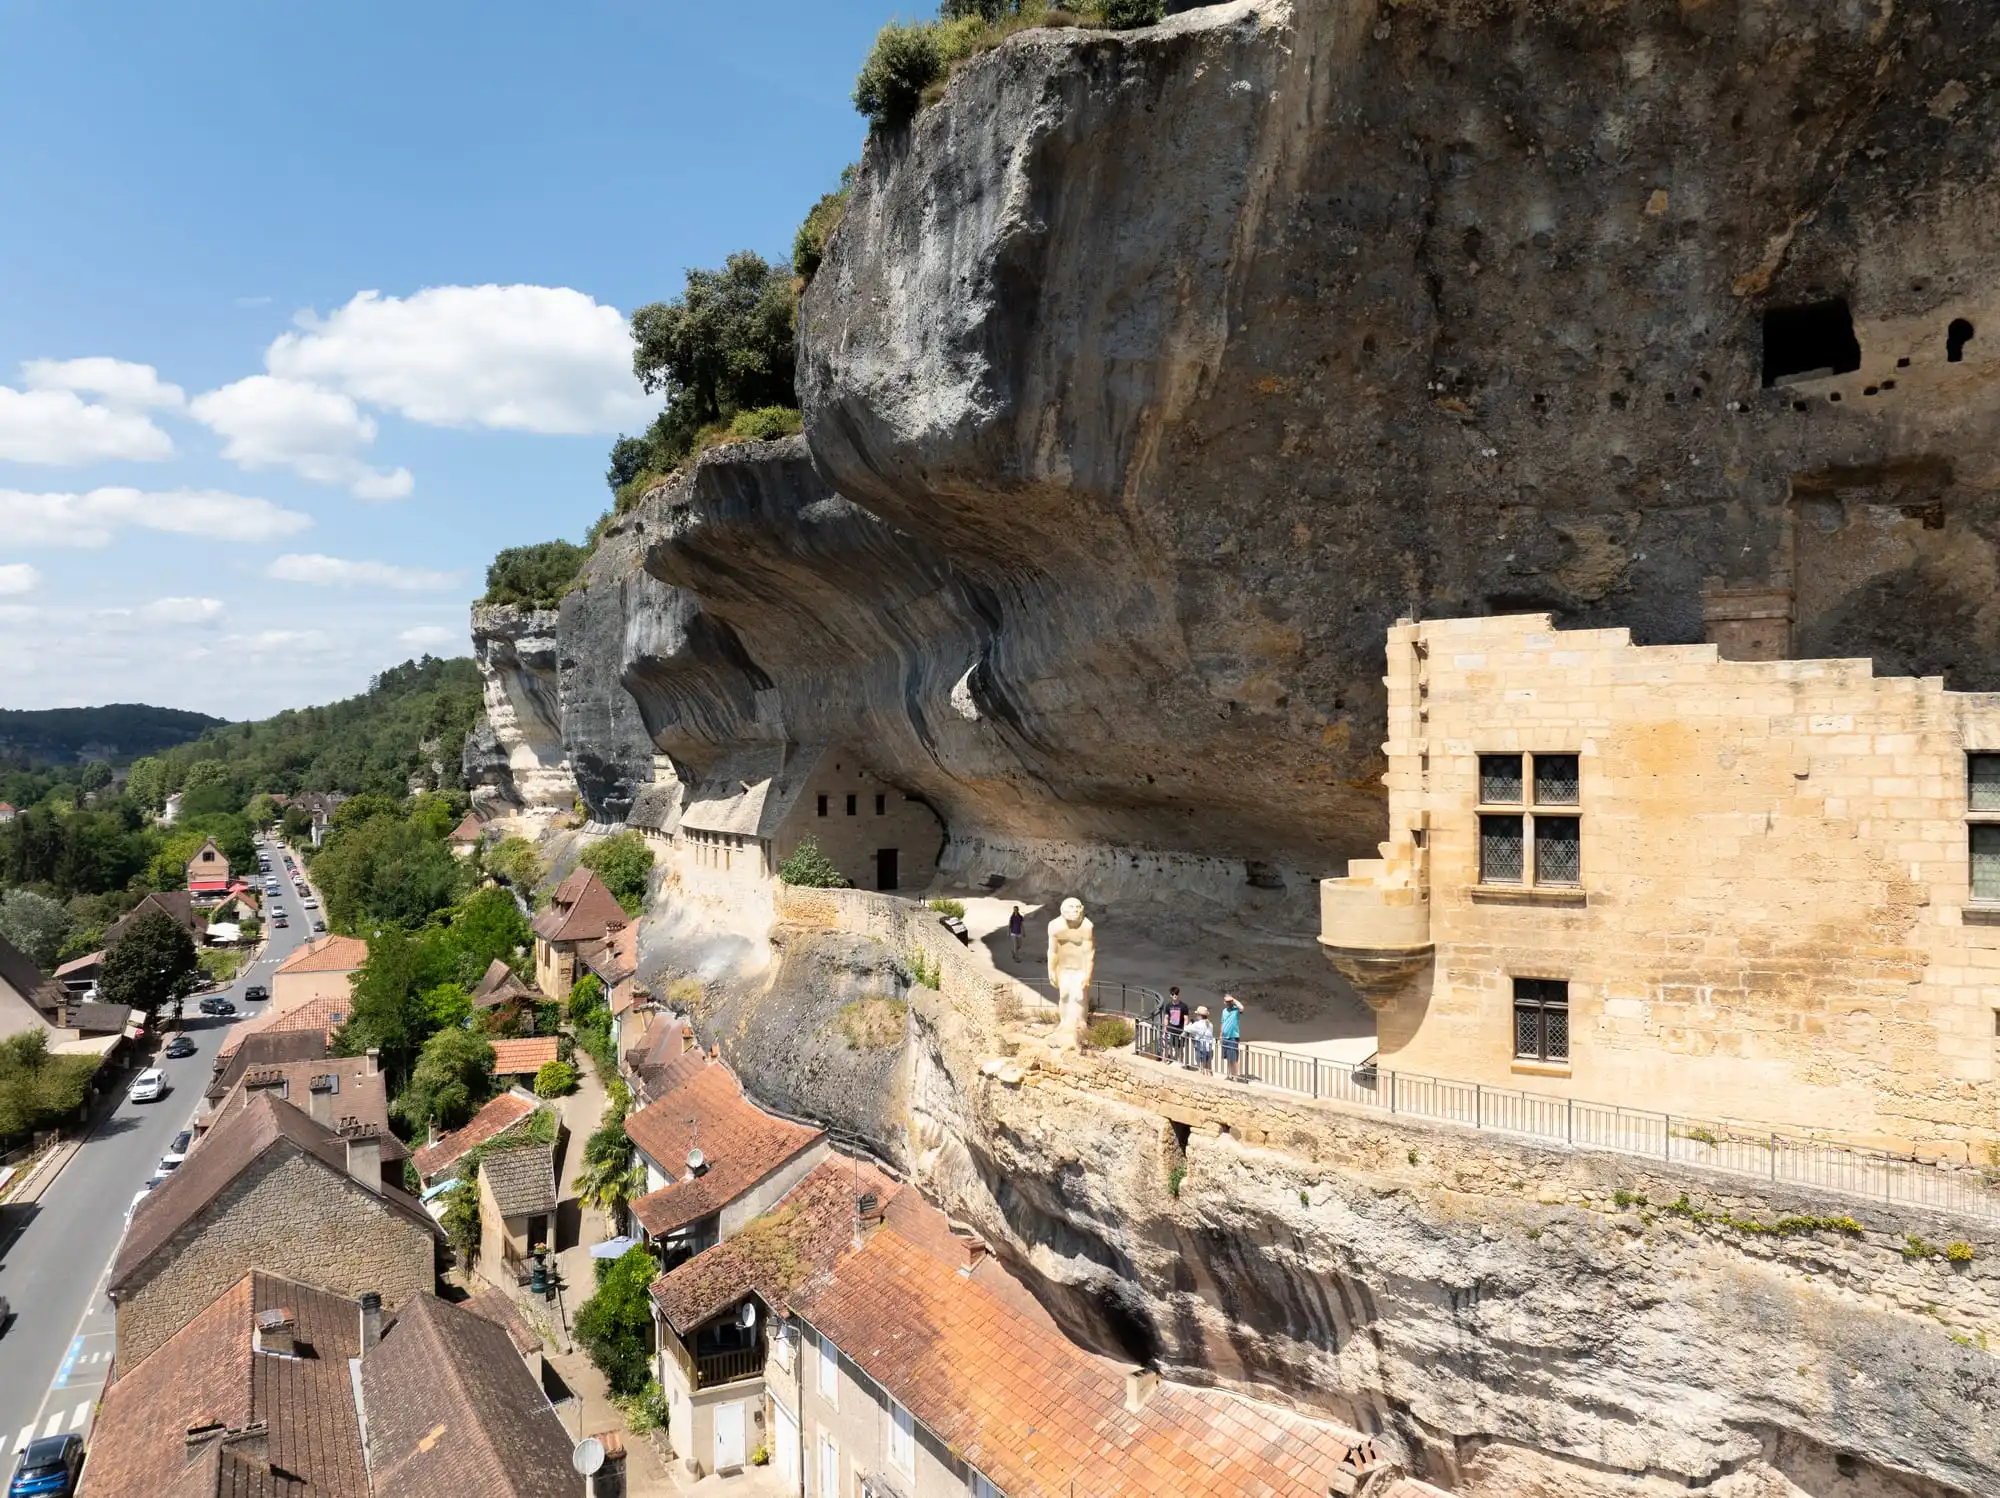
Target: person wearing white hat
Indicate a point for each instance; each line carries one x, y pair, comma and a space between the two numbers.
1201, 1038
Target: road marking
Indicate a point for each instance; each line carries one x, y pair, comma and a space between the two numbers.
82, 1414
54, 1425
68, 1362
27, 1435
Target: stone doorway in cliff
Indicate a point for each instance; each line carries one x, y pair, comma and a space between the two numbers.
1809, 342
886, 871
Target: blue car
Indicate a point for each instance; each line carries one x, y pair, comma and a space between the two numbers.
48, 1468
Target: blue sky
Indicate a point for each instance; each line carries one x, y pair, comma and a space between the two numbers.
306, 311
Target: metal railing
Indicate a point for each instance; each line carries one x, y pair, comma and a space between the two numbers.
1778, 1156
1134, 1000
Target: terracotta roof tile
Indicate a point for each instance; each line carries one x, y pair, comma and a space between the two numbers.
775, 1254
580, 910
993, 1377
327, 954
740, 1142
323, 1015
454, 1412
495, 1118
237, 1143
262, 1048
513, 1058
209, 1373
360, 1092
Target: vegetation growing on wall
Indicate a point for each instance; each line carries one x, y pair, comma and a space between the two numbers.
534, 577
624, 863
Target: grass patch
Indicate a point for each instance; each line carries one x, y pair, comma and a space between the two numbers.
1784, 1227
221, 963
953, 908
924, 970
873, 1023
1108, 1034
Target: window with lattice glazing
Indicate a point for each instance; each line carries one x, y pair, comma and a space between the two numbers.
1530, 819
1982, 826
1541, 1019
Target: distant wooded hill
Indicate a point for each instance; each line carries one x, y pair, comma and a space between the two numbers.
117, 731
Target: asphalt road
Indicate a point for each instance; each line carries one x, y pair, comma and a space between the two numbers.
56, 1255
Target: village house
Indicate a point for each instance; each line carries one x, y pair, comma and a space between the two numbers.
1758, 890
465, 836
347, 1094
439, 1158
614, 962
282, 1386
581, 911
208, 870
517, 1205
319, 1017
656, 811
713, 1161
754, 808
71, 1023
176, 904
28, 1000
654, 1041
321, 968
260, 1049
503, 1001
7, 812
716, 1312
523, 1057
267, 1186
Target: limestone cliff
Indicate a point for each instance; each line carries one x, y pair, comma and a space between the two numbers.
514, 757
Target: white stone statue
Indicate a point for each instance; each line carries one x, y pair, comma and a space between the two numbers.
1072, 957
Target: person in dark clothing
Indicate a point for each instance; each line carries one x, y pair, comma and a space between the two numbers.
1014, 924
1172, 1018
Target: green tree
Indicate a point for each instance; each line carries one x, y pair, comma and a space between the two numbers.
447, 1006
623, 862
375, 868
451, 1081
534, 577
586, 998
726, 344
146, 782
905, 60
615, 1325
37, 1090
514, 860
555, 1079
460, 1219
809, 244
151, 966
388, 1012
805, 865
296, 826
35, 924
1122, 14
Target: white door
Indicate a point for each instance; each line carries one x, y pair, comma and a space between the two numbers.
829, 1468
728, 1436
786, 1437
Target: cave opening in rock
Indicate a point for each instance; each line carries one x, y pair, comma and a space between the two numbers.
1808, 342
1956, 337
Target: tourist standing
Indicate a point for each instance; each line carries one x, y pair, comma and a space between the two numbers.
1201, 1038
1173, 1018
1014, 924
1232, 1037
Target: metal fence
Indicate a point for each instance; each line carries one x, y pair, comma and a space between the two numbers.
1133, 1000
1777, 1156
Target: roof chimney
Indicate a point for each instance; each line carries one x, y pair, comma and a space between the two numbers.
371, 1319
364, 1155
1141, 1384
277, 1333
319, 1097
374, 1055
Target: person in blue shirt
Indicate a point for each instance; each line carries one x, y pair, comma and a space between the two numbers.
1232, 1037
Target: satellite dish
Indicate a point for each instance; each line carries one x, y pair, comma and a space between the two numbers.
696, 1160
588, 1456
746, 1314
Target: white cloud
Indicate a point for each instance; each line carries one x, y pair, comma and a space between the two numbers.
430, 636
122, 385
290, 641
518, 358
91, 520
318, 434
56, 427
182, 611
337, 572
17, 578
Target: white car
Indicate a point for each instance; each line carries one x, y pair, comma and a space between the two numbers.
177, 1151
149, 1086
312, 902
144, 1192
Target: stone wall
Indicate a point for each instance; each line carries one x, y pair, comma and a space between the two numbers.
298, 1218
1775, 919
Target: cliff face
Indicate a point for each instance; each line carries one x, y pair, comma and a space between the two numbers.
514, 759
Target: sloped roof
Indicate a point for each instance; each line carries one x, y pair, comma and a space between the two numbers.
322, 1016
262, 1048
498, 1307
358, 1095
974, 1358
327, 954
750, 792
453, 1411
498, 986
514, 1058
210, 1373
237, 1142
99, 1019
657, 807
772, 1256
580, 910
20, 974
176, 904
498, 1116
614, 958
740, 1143
468, 831
80, 964
522, 1180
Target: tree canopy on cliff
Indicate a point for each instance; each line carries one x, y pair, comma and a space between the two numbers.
534, 577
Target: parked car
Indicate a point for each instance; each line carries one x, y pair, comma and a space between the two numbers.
5, 1312
256, 991
142, 1194
311, 903
178, 1150
318, 925
48, 1468
149, 1086
217, 1005
179, 1046
279, 923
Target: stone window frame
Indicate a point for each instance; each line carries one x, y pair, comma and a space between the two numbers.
1530, 804
1977, 819
1540, 996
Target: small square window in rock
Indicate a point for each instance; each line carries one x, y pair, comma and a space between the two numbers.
850, 806
1809, 342
822, 806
